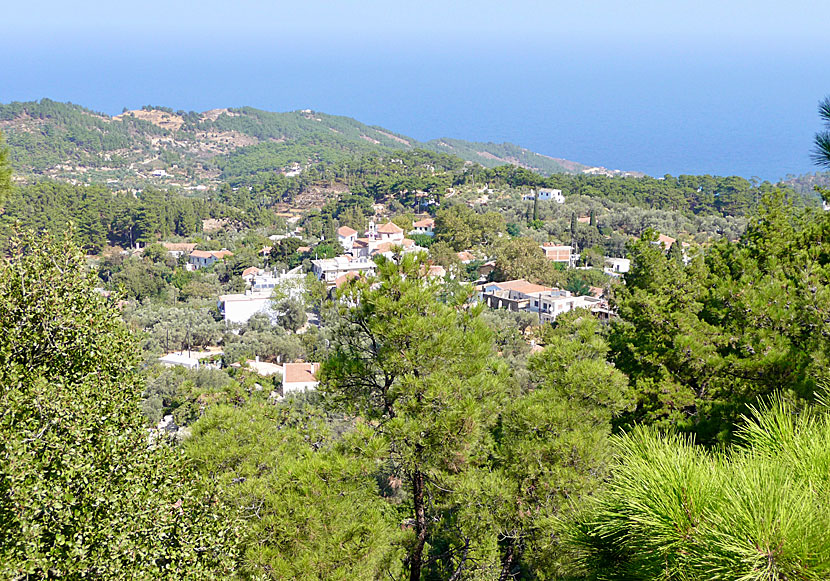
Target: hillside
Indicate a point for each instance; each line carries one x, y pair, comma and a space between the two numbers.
160, 146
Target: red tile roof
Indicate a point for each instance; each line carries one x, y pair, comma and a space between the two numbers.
523, 286
390, 228
425, 223
300, 372
345, 231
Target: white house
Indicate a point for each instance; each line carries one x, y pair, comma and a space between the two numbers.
205, 258
547, 195
425, 226
238, 308
617, 265
330, 269
299, 377
346, 237
552, 304
389, 232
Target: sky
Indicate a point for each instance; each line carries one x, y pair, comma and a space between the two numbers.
661, 87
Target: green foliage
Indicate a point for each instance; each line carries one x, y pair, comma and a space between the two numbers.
292, 314
421, 373
554, 445
463, 228
524, 258
701, 342
821, 145
5, 172
82, 494
309, 498
675, 511
103, 217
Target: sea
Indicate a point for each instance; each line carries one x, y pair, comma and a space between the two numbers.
716, 108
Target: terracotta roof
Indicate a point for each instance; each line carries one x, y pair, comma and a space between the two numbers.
266, 250
523, 286
221, 253
302, 249
361, 243
300, 372
201, 254
407, 243
345, 231
667, 240
384, 247
596, 291
250, 270
465, 256
436, 271
344, 278
390, 228
179, 246
425, 223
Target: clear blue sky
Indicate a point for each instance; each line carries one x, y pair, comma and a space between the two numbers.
659, 86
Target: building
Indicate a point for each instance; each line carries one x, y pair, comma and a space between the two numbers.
617, 266
189, 359
559, 253
513, 295
267, 281
329, 270
466, 257
425, 227
389, 232
299, 377
205, 258
238, 308
551, 305
177, 249
547, 195
547, 303
346, 237
665, 241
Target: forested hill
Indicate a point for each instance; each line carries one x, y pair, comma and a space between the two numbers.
158, 145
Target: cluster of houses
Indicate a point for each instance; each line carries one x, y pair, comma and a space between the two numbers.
358, 260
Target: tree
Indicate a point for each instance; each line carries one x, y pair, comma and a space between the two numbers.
82, 494
676, 252
309, 497
5, 173
676, 511
421, 374
292, 314
821, 148
524, 258
554, 444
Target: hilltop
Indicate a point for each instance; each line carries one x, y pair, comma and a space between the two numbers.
160, 146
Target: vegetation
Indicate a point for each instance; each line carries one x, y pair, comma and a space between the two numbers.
84, 494
676, 511
685, 439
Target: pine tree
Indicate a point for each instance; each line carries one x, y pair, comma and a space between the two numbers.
421, 372
676, 252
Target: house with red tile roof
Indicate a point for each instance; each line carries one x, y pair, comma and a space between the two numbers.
346, 237
300, 376
205, 258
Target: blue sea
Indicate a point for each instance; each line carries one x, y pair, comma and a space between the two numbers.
656, 108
